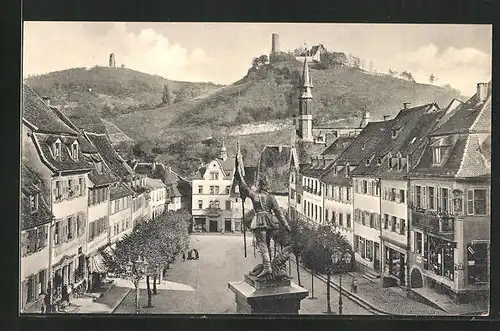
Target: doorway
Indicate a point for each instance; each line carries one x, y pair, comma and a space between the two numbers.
227, 225
376, 257
213, 226
402, 271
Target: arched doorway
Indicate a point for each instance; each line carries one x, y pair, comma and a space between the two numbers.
416, 279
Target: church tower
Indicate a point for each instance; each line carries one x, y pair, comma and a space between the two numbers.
304, 119
223, 152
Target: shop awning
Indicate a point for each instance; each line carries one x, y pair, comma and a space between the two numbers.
97, 264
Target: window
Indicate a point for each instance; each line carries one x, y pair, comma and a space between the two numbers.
348, 221
386, 221
432, 197
316, 212
402, 227
200, 204
341, 189
372, 220
348, 194
216, 204
57, 149
200, 189
436, 155
214, 175
369, 187
393, 223
369, 250
393, 194
365, 187
57, 233
444, 199
228, 189
216, 189
361, 247
34, 203
228, 205
418, 243
71, 226
402, 196
320, 215
477, 257
476, 202
212, 189
74, 151
418, 196
341, 219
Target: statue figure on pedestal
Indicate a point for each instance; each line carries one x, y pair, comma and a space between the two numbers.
266, 222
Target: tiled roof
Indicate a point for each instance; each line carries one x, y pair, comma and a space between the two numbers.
477, 158
120, 191
339, 179
307, 150
89, 122
173, 192
43, 214
63, 163
117, 165
99, 178
86, 146
464, 116
185, 187
154, 184
365, 144
274, 165
201, 171
65, 119
338, 146
36, 112
227, 165
316, 168
411, 126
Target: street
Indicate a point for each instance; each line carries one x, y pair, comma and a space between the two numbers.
221, 261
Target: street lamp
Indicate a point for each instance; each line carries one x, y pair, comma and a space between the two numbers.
135, 271
341, 260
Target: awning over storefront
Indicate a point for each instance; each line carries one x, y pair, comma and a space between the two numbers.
97, 264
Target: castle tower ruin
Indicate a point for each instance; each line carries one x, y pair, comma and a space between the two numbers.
112, 62
275, 44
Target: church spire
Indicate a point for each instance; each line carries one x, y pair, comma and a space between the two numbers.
304, 120
306, 78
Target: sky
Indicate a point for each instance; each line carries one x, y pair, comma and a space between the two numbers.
459, 55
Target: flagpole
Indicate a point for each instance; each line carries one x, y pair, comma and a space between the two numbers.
244, 227
238, 154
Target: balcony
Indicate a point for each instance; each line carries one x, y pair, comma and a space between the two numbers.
213, 211
439, 222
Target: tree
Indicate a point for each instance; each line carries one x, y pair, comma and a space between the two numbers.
299, 235
407, 75
393, 73
143, 150
166, 98
317, 254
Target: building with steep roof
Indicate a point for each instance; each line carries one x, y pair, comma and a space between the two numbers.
36, 220
380, 184
212, 204
450, 213
158, 196
51, 149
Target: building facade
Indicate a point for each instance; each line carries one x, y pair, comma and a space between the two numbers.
158, 196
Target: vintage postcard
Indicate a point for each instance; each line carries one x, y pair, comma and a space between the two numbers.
251, 168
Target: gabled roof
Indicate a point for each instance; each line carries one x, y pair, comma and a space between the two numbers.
411, 127
65, 162
120, 191
274, 165
337, 147
42, 215
315, 48
40, 117
114, 162
154, 184
105, 177
465, 116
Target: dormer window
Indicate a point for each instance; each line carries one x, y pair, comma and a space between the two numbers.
379, 161
56, 148
34, 203
436, 155
400, 163
74, 151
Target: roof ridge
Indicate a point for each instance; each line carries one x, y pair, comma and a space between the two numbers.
462, 160
483, 107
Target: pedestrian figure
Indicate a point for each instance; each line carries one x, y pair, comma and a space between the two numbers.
196, 255
183, 256
190, 255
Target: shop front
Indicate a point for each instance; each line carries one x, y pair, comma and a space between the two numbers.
395, 265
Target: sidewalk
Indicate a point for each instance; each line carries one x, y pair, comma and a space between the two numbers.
106, 302
383, 301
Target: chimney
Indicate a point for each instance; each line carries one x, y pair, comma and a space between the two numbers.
47, 100
482, 91
386, 117
405, 105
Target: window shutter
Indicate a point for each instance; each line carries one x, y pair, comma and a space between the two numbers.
438, 198
398, 221
424, 197
450, 202
369, 187
24, 243
412, 241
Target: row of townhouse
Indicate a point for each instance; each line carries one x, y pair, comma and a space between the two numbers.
412, 195
78, 199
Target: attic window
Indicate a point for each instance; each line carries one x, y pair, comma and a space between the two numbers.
379, 161
34, 203
394, 133
56, 148
74, 151
436, 155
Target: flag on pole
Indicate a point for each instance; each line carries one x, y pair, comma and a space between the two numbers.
239, 161
238, 166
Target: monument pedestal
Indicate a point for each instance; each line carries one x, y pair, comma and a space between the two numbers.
254, 296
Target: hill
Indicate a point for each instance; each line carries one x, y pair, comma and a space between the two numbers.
266, 98
107, 92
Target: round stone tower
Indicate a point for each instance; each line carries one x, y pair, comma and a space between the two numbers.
275, 44
112, 62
